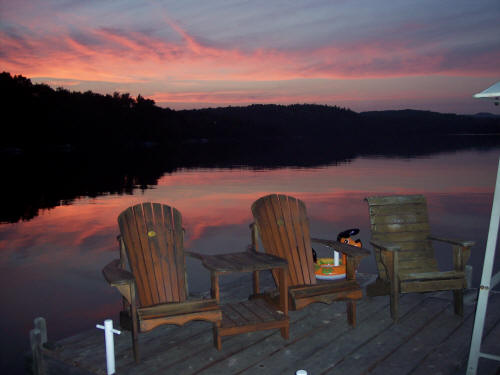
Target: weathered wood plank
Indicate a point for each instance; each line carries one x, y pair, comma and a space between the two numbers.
240, 262
205, 355
490, 345
159, 245
306, 322
292, 241
403, 358
266, 218
168, 354
251, 355
173, 254
286, 241
407, 213
298, 227
419, 238
233, 315
349, 348
246, 313
324, 288
401, 227
262, 310
428, 339
394, 199
373, 351
175, 308
128, 229
155, 274
431, 275
435, 285
180, 262
452, 353
143, 232
308, 351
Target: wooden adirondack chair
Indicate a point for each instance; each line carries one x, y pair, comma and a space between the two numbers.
283, 226
404, 254
152, 241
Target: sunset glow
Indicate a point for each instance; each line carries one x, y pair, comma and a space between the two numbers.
361, 54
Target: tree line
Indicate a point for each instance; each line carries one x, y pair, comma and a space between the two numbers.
43, 118
57, 145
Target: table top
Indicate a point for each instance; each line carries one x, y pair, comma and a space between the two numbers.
246, 261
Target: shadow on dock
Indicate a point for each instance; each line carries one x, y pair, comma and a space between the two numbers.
429, 339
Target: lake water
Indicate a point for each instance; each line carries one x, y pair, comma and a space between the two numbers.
51, 265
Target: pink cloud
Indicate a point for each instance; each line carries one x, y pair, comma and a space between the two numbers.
126, 56
184, 70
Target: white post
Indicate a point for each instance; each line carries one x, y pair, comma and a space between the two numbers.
336, 258
110, 345
484, 289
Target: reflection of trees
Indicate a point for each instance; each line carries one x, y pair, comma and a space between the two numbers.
60, 145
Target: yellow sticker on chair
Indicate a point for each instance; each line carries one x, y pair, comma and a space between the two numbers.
151, 233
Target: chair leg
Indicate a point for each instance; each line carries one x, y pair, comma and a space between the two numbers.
135, 327
217, 337
394, 307
285, 333
351, 313
394, 301
135, 345
458, 301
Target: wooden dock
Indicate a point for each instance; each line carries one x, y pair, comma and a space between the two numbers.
428, 340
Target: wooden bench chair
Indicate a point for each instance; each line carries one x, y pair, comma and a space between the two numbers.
281, 223
155, 289
404, 254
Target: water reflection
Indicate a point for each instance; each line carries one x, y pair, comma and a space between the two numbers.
52, 264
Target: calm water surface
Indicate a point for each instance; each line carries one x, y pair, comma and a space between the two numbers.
51, 266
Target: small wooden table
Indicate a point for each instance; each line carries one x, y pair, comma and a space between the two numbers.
252, 315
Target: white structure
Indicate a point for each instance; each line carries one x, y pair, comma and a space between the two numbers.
487, 283
110, 344
492, 92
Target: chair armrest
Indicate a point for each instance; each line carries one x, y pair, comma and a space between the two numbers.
453, 241
385, 245
115, 275
348, 250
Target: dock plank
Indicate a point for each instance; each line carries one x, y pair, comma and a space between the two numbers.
375, 351
314, 351
207, 361
429, 339
303, 322
412, 352
453, 352
491, 345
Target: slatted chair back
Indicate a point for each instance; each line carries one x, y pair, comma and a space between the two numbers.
403, 220
152, 234
283, 227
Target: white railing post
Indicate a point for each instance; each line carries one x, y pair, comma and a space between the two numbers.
486, 285
110, 344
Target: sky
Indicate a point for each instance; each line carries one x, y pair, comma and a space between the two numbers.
360, 54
